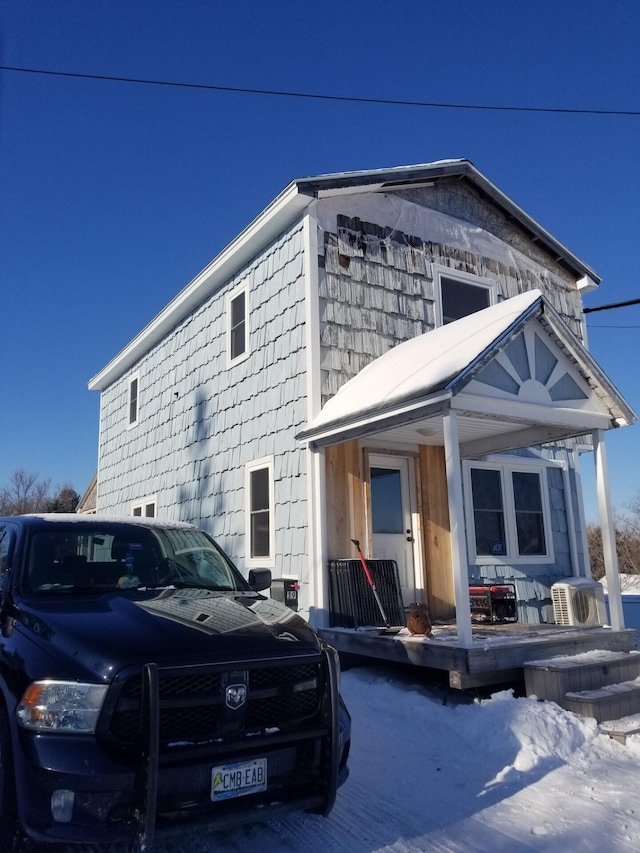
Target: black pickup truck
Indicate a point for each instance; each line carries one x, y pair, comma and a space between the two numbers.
146, 688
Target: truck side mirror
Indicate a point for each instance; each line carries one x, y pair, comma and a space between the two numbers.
259, 579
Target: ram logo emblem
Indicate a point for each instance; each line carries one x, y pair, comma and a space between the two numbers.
235, 696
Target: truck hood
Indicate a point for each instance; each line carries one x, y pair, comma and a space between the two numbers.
96, 636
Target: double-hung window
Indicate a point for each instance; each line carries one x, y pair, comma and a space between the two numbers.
260, 527
238, 324
461, 294
508, 513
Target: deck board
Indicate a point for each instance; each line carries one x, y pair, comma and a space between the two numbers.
495, 649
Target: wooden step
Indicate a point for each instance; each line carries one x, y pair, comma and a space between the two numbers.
552, 679
610, 702
620, 730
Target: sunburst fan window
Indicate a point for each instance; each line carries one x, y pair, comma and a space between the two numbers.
528, 368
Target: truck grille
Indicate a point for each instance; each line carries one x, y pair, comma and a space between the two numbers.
193, 708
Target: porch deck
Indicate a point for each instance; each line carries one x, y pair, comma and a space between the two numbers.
496, 656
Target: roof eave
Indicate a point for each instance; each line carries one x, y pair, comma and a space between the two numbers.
283, 210
290, 204
381, 180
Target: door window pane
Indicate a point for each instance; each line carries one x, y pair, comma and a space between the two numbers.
488, 512
527, 498
386, 501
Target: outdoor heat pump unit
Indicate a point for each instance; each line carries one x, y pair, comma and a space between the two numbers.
578, 602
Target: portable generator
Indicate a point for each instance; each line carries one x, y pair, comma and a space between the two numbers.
493, 603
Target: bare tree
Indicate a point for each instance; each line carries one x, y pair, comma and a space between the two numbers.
25, 492
627, 537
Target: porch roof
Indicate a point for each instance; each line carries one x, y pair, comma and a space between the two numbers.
510, 393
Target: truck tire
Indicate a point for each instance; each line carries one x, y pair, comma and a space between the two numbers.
8, 820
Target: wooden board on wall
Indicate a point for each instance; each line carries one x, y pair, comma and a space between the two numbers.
344, 499
437, 535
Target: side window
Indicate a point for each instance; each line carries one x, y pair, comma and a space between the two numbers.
259, 523
488, 512
146, 507
238, 324
510, 513
529, 513
461, 295
133, 398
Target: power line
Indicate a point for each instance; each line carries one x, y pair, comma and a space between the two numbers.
318, 97
611, 305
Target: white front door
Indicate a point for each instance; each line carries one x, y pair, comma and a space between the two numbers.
391, 519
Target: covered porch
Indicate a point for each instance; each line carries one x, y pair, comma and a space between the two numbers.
509, 378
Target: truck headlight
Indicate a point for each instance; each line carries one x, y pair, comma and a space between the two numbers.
61, 706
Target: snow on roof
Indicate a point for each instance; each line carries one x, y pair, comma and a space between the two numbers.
425, 364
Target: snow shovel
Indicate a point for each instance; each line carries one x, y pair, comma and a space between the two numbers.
388, 629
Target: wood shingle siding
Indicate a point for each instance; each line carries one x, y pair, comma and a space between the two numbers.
377, 286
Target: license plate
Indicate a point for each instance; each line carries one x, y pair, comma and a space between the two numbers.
242, 777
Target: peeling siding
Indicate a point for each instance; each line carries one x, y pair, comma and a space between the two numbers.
376, 283
200, 421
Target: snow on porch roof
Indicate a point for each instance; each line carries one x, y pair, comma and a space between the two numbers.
425, 372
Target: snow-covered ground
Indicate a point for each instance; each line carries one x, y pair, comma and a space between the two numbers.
436, 771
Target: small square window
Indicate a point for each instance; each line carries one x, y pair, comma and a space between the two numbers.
461, 294
460, 298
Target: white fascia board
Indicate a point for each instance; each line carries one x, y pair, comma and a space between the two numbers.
528, 413
266, 227
368, 423
602, 386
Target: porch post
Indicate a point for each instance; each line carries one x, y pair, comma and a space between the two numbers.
607, 526
456, 520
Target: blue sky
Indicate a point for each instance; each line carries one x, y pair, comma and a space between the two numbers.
113, 196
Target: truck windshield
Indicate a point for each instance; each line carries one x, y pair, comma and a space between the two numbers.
85, 558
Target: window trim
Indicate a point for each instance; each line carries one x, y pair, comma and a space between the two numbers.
440, 272
135, 379
142, 504
231, 297
507, 468
266, 562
